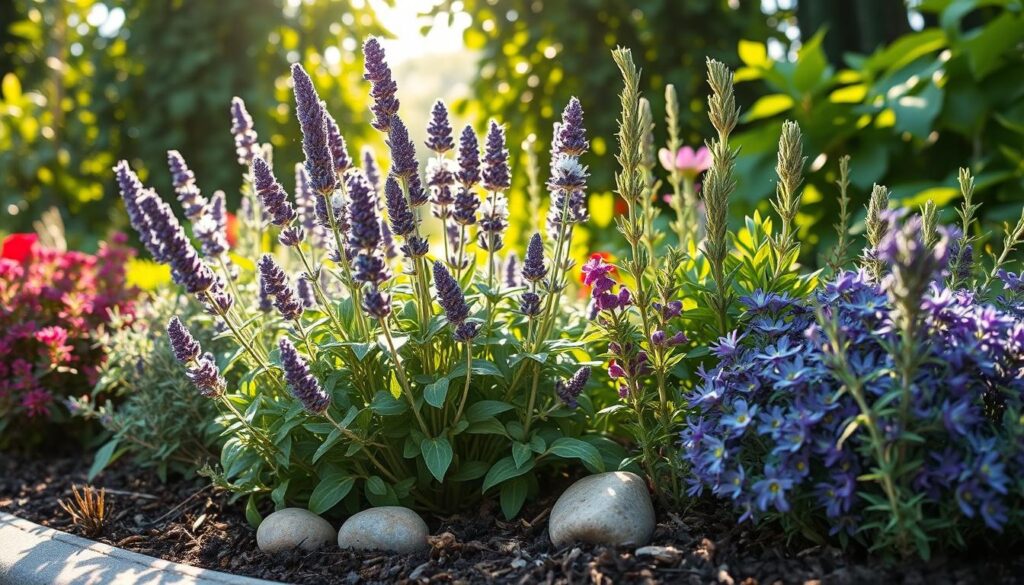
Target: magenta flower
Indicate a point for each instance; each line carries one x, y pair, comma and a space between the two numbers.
686, 160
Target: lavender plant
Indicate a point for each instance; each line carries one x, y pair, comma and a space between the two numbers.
374, 378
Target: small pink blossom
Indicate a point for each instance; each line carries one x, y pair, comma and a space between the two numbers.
686, 160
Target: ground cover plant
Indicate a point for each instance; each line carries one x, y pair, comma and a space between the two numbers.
366, 386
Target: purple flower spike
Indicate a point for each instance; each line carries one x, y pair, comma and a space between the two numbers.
439, 131
450, 295
184, 181
383, 87
132, 193
313, 122
377, 303
496, 175
466, 204
403, 222
466, 331
212, 228
272, 194
529, 304
371, 169
469, 158
206, 377
403, 151
511, 270
186, 348
571, 136
569, 390
364, 223
276, 284
533, 267
304, 386
336, 142
246, 141
168, 244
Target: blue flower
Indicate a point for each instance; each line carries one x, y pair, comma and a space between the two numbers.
771, 491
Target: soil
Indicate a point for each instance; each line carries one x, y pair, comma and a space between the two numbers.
186, 521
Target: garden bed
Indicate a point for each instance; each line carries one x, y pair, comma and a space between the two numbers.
186, 521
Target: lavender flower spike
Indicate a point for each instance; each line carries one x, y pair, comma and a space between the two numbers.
184, 181
403, 151
186, 348
313, 122
533, 267
569, 390
469, 158
246, 141
439, 131
371, 169
403, 222
450, 295
212, 228
466, 204
571, 137
377, 72
336, 142
272, 194
206, 377
276, 284
304, 386
496, 175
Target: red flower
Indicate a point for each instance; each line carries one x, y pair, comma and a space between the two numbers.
18, 247
232, 229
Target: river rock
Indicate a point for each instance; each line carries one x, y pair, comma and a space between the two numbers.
387, 528
291, 528
612, 508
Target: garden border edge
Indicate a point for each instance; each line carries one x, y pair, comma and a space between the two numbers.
31, 554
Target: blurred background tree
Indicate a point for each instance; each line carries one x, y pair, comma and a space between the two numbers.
88, 82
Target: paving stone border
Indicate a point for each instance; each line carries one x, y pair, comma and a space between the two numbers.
31, 554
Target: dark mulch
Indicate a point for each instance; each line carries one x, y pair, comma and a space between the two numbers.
185, 521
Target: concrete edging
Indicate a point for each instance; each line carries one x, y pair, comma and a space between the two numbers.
31, 554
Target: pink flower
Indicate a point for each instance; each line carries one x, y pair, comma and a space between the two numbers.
18, 247
36, 402
687, 161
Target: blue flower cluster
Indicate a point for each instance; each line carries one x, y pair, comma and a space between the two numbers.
774, 428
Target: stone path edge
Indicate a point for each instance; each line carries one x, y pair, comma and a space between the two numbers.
31, 554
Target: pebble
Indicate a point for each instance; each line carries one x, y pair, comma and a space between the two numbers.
612, 508
665, 554
290, 528
387, 528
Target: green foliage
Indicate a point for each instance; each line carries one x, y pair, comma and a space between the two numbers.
81, 93
152, 412
534, 55
907, 115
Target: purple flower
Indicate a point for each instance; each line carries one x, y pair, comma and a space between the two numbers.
336, 142
212, 228
376, 303
466, 205
529, 304
306, 202
313, 122
272, 194
493, 222
383, 87
403, 151
304, 288
450, 295
569, 390
168, 244
304, 386
371, 169
192, 201
771, 491
186, 348
469, 158
496, 173
276, 283
466, 331
533, 267
205, 376
439, 131
364, 222
246, 141
571, 138
403, 222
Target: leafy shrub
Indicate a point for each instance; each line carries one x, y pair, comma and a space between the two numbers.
52, 305
152, 411
356, 388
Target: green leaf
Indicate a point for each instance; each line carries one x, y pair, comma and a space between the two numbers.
375, 485
768, 106
386, 405
395, 386
520, 453
252, 514
570, 448
333, 487
487, 426
485, 409
437, 454
326, 445
278, 495
436, 392
513, 495
752, 53
105, 456
504, 469
469, 470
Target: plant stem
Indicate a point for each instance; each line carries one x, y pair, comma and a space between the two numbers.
403, 377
